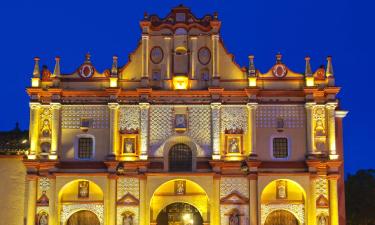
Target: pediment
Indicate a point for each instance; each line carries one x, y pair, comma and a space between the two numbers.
322, 202
128, 199
234, 198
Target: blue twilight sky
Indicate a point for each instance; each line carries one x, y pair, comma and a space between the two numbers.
342, 28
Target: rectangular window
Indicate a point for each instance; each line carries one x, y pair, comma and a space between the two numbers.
85, 148
280, 148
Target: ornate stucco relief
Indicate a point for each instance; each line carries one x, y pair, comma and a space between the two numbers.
68, 210
200, 124
234, 184
129, 117
127, 185
298, 211
233, 117
132, 209
293, 116
71, 116
226, 209
161, 124
321, 187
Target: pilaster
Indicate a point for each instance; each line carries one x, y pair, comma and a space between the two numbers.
309, 106
311, 214
34, 129
330, 109
55, 132
193, 56
113, 129
253, 204
167, 43
251, 107
52, 216
31, 199
333, 200
112, 200
215, 123
145, 108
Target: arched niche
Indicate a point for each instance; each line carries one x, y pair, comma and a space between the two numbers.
83, 217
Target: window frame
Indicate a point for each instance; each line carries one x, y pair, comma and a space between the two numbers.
76, 146
288, 145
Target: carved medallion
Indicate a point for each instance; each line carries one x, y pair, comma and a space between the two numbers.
156, 55
204, 55
86, 70
279, 70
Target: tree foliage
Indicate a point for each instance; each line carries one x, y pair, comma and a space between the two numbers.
360, 198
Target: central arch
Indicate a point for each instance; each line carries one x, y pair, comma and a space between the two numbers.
179, 213
83, 217
281, 217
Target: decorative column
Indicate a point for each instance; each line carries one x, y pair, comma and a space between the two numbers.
215, 129
215, 207
215, 56
34, 129
112, 200
331, 130
31, 199
167, 43
52, 215
145, 40
312, 202
55, 132
253, 209
251, 121
145, 108
193, 56
309, 106
333, 200
113, 129
142, 202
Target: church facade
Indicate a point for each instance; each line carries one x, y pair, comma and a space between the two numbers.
181, 135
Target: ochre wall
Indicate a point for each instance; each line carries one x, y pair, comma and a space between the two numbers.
12, 189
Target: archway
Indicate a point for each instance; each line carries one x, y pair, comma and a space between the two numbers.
281, 217
83, 217
179, 213
180, 158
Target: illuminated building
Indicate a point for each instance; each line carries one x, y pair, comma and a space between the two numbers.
182, 135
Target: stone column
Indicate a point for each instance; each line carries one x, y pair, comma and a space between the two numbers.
193, 56
34, 129
333, 200
112, 200
309, 106
331, 130
253, 208
31, 199
145, 108
167, 55
113, 129
52, 216
55, 132
215, 130
251, 121
215, 56
311, 215
145, 54
142, 202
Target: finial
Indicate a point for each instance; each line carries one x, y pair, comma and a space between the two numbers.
114, 69
329, 70
278, 57
216, 15
308, 71
88, 56
56, 71
36, 72
252, 70
145, 15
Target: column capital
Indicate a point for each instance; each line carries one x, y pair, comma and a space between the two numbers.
113, 105
167, 38
215, 36
310, 104
252, 105
35, 105
144, 105
333, 176
341, 113
55, 105
331, 105
145, 36
215, 105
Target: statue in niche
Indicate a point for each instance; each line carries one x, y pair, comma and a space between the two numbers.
180, 187
46, 128
127, 219
281, 188
129, 145
319, 128
43, 219
322, 220
234, 219
234, 146
180, 121
83, 189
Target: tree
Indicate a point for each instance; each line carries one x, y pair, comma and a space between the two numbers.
360, 198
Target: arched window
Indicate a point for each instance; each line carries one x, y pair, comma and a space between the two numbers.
84, 146
180, 158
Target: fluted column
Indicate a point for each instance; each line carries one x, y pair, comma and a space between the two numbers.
215, 123
31, 199
309, 106
34, 129
253, 209
331, 130
215, 56
112, 200
333, 200
193, 56
145, 53
113, 129
312, 202
52, 216
251, 121
145, 108
55, 132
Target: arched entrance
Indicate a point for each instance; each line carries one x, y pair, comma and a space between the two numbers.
281, 217
179, 213
83, 217
180, 158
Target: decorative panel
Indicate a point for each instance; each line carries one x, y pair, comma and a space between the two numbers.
129, 118
160, 124
234, 184
293, 116
298, 210
320, 129
71, 116
127, 185
45, 121
225, 211
200, 124
321, 187
233, 118
44, 183
68, 210
134, 210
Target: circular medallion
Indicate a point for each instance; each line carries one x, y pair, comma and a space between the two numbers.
204, 55
156, 55
86, 71
279, 70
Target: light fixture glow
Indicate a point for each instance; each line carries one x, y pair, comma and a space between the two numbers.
180, 82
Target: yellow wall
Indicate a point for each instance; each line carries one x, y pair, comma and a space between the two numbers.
70, 192
12, 189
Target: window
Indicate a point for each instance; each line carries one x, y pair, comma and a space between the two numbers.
280, 148
85, 148
180, 158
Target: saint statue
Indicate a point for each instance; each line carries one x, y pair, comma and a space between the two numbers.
281, 189
129, 146
83, 189
234, 219
127, 220
180, 121
319, 128
233, 146
180, 188
43, 220
322, 220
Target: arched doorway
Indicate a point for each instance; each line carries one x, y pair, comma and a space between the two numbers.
281, 217
83, 217
180, 158
179, 213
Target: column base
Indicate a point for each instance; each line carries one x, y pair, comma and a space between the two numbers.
334, 157
52, 157
143, 157
216, 157
31, 157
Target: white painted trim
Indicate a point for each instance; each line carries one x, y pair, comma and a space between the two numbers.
289, 146
76, 138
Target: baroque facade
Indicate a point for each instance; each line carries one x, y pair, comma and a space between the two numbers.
182, 135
